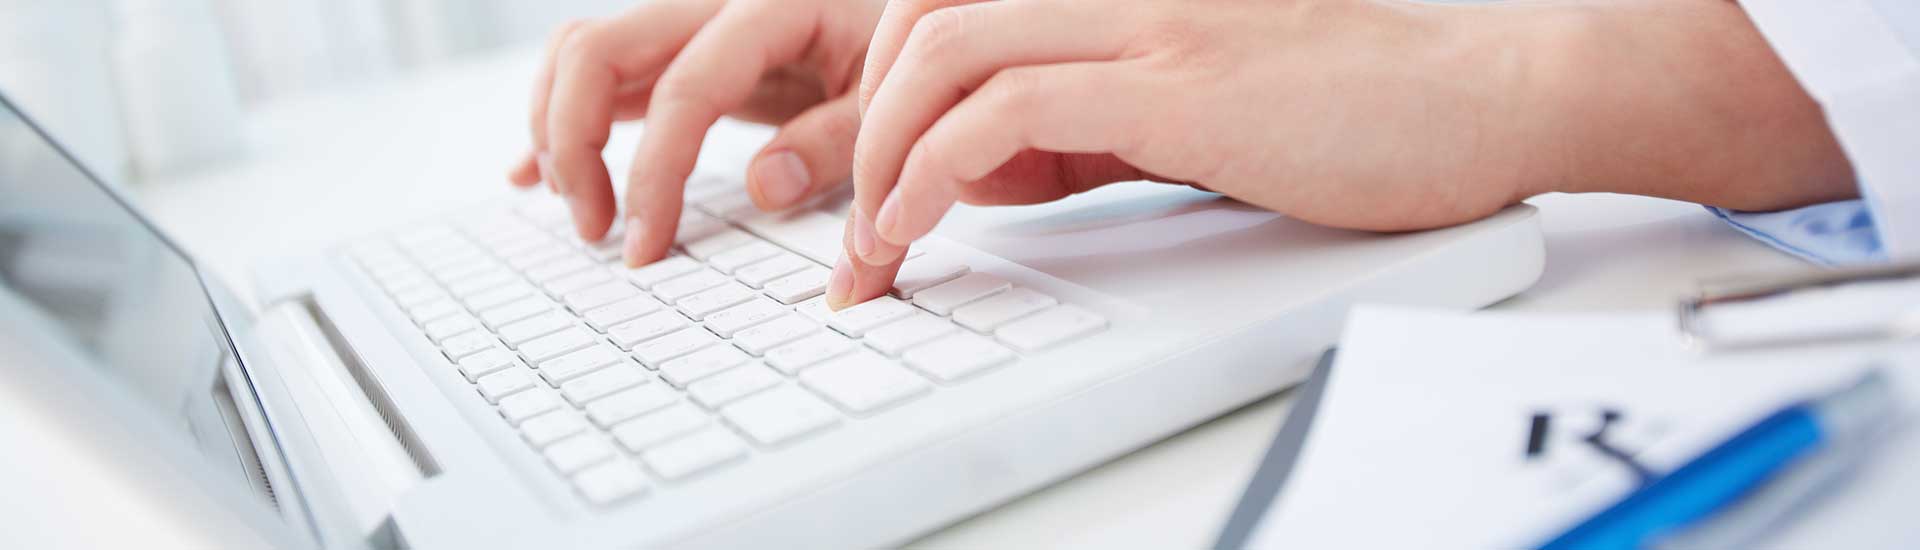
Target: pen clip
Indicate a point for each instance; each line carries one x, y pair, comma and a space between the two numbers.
1752, 294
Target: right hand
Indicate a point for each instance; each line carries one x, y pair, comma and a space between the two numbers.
682, 64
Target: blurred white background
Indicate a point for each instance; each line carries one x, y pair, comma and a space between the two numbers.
141, 88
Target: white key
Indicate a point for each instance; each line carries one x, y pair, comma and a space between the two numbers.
713, 245
557, 344
419, 296
497, 296
654, 428
699, 306
446, 327
628, 334
519, 332
548, 428
729, 322
863, 382
578, 281
604, 317
685, 285
468, 344
757, 274
630, 403
946, 297
1050, 327
565, 265
486, 362
957, 356
477, 284
583, 300
897, 336
815, 309
816, 235
519, 309
525, 245
609, 248
924, 272
577, 452
610, 482
577, 363
684, 341
733, 384
462, 269
692, 454
860, 318
538, 256
440, 307
732, 260
758, 339
695, 225
701, 364
994, 311
807, 351
654, 273
779, 415
809, 282
504, 383
524, 405
603, 383
731, 206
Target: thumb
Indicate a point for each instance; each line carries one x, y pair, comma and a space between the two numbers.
811, 154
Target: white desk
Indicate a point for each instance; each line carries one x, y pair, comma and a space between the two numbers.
338, 165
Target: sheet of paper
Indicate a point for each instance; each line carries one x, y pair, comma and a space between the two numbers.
1495, 430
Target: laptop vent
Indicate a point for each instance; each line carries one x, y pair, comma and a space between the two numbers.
377, 395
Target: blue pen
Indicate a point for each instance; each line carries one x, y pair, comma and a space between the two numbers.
1786, 446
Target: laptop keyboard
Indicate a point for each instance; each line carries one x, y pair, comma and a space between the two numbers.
627, 378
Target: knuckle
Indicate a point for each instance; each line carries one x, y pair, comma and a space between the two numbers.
939, 31
581, 44
1013, 90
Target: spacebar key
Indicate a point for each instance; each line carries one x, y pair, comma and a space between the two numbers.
812, 234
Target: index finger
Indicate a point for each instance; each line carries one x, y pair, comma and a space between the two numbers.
889, 36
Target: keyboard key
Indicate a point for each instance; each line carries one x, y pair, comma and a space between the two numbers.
517, 310
809, 282
469, 267
758, 339
1050, 327
486, 362
807, 351
524, 405
731, 385
550, 427
684, 341
779, 415
695, 225
609, 248
630, 403
815, 309
482, 282
732, 260
863, 382
538, 256
443, 328
554, 269
574, 453
816, 235
421, 295
578, 281
577, 363
604, 317
924, 272
604, 382
686, 285
709, 301
519, 332
610, 482
946, 297
583, 300
701, 364
730, 206
504, 383
631, 333
557, 344
654, 273
757, 274
644, 432
994, 311
713, 245
860, 318
729, 322
897, 336
957, 356
695, 453
432, 310
497, 296
468, 344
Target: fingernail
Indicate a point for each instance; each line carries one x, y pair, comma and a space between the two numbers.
782, 178
631, 249
840, 286
862, 234
886, 224
545, 160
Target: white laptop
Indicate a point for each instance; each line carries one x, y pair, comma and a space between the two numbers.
486, 381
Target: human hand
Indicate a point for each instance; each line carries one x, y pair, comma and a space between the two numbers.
1375, 115
682, 64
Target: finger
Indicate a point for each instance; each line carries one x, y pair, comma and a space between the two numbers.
889, 35
590, 68
714, 74
1086, 107
854, 282
527, 172
811, 154
951, 51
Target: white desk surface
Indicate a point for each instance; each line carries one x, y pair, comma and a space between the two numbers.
336, 165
